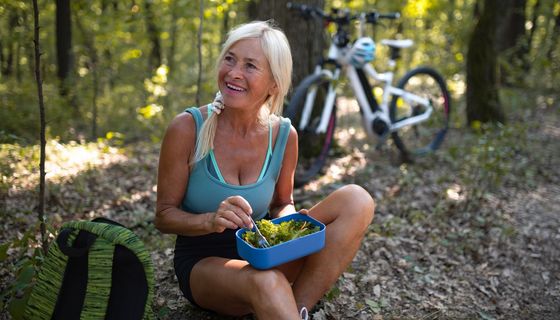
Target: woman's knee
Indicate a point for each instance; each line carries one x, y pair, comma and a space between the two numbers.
266, 282
359, 200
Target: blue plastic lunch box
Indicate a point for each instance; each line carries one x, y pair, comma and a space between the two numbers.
266, 258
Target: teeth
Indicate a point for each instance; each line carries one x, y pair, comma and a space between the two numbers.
234, 87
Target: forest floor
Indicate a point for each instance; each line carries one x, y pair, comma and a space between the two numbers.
471, 232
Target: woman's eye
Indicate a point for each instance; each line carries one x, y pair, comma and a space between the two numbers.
251, 66
229, 59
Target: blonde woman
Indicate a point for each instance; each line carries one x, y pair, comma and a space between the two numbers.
235, 158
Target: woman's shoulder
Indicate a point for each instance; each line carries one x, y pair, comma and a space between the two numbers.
283, 124
184, 123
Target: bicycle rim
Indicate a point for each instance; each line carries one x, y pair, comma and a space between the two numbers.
426, 136
313, 147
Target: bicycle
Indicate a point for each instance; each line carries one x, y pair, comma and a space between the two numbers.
415, 112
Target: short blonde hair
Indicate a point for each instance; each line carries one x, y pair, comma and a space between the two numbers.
277, 52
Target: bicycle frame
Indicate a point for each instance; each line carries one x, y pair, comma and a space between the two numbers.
371, 110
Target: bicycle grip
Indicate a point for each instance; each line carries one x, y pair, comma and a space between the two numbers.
307, 12
392, 15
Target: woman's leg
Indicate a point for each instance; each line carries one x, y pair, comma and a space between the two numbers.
347, 212
234, 288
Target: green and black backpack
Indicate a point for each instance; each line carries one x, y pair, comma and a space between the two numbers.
94, 270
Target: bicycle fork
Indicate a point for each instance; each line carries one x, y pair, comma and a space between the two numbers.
329, 102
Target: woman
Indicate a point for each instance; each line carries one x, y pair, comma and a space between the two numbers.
221, 163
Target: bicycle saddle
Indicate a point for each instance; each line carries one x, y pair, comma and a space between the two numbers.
398, 43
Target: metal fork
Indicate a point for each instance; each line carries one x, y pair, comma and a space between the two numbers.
261, 240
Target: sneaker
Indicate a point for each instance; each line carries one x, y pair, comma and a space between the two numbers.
304, 314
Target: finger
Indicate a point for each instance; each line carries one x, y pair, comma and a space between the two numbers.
240, 202
242, 208
303, 211
232, 218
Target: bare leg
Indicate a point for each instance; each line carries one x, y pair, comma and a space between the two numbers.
347, 212
234, 288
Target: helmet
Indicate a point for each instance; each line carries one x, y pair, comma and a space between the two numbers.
362, 52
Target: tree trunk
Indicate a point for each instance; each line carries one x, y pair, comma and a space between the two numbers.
153, 34
92, 65
42, 160
554, 37
511, 41
11, 45
175, 14
483, 102
199, 50
63, 40
536, 12
305, 37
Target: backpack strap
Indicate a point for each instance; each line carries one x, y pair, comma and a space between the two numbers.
100, 265
113, 235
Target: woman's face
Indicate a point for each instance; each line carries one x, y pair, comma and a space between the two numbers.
244, 76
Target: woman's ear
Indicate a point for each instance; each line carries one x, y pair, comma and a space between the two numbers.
273, 90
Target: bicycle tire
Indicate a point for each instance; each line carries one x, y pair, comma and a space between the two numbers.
313, 148
426, 136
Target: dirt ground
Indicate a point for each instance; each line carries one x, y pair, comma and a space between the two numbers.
444, 244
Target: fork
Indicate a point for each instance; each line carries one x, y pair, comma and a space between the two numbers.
261, 240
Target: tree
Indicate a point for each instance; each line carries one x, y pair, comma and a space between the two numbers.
305, 37
153, 34
63, 42
511, 38
42, 160
483, 103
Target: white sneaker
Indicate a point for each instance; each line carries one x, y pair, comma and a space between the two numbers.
304, 314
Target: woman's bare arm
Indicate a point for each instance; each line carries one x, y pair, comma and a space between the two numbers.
283, 201
173, 175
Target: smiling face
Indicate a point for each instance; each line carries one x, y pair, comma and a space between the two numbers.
244, 76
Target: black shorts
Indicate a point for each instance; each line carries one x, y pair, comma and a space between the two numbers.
190, 250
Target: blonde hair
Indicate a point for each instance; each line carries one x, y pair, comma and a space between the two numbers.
277, 51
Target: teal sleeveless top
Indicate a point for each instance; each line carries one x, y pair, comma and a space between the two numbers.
205, 190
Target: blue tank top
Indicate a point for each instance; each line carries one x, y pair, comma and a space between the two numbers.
205, 191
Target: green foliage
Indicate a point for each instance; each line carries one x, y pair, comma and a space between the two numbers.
491, 158
278, 233
113, 85
26, 257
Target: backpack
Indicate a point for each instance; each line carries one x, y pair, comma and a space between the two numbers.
94, 270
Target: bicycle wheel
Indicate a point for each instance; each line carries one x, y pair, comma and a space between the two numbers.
428, 135
313, 147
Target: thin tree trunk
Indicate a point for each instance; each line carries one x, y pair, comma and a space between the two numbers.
153, 35
536, 10
89, 43
554, 37
8, 61
42, 173
199, 48
63, 40
175, 14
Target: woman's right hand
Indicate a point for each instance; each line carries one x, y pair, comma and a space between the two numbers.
233, 213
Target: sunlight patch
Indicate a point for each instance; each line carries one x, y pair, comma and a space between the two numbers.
455, 192
65, 160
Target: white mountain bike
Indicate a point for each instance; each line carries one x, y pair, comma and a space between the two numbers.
415, 112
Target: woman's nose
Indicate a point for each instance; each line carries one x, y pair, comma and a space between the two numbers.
235, 71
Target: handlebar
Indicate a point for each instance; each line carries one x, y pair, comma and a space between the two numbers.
338, 16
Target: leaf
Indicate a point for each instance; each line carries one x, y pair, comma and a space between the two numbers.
16, 306
485, 316
4, 251
25, 276
374, 306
